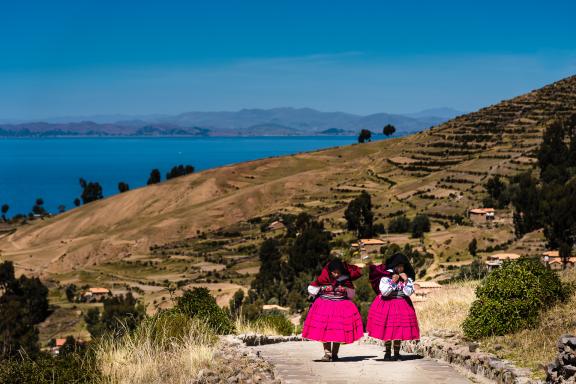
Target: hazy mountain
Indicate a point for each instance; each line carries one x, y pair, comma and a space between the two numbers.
246, 122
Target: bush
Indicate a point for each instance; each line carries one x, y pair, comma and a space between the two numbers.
199, 303
512, 297
47, 369
276, 321
399, 224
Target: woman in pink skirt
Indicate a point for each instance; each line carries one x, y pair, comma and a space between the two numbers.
333, 317
392, 317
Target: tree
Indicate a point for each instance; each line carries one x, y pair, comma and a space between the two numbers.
389, 130
553, 155
155, 177
311, 248
76, 202
179, 170
70, 292
23, 304
399, 224
420, 225
38, 208
498, 192
91, 191
123, 187
236, 303
364, 136
359, 216
121, 313
473, 247
269, 276
5, 209
61, 208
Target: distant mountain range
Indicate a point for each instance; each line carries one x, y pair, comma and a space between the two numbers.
246, 122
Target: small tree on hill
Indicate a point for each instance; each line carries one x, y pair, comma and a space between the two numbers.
311, 247
473, 247
76, 202
155, 177
123, 187
121, 313
389, 130
359, 216
23, 304
38, 208
5, 209
179, 170
399, 224
91, 191
364, 136
420, 225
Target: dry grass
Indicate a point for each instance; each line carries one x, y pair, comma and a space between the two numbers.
534, 348
244, 326
153, 354
446, 309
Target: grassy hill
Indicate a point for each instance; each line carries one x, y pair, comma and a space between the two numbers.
202, 228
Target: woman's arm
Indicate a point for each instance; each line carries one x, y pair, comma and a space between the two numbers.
312, 290
408, 287
387, 286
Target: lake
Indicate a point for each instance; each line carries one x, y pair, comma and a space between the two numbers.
50, 168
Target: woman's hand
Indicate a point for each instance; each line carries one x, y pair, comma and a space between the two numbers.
403, 276
395, 278
340, 289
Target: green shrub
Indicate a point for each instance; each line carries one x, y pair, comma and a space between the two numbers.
47, 369
198, 303
512, 297
170, 326
278, 322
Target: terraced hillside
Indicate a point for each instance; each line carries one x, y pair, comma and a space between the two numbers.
204, 228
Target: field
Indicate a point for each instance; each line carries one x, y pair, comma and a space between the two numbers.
205, 229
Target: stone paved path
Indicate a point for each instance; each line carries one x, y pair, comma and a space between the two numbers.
298, 362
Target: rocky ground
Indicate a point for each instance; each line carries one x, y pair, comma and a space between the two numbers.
235, 363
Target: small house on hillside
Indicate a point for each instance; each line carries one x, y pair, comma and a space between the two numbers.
276, 226
367, 246
553, 260
96, 294
496, 260
481, 215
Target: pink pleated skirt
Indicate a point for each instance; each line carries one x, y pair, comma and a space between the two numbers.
333, 321
392, 319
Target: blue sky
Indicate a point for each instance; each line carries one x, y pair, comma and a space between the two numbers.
63, 58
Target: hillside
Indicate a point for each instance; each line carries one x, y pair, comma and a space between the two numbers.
196, 229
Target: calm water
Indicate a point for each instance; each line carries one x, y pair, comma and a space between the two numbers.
50, 168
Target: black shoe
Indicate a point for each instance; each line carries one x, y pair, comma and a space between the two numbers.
387, 356
335, 357
397, 357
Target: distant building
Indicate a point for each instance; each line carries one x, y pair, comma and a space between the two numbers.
58, 343
481, 215
496, 260
553, 260
276, 226
93, 294
367, 246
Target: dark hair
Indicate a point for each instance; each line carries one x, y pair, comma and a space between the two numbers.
400, 258
337, 265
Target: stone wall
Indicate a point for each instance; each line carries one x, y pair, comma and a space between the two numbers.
563, 370
253, 339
